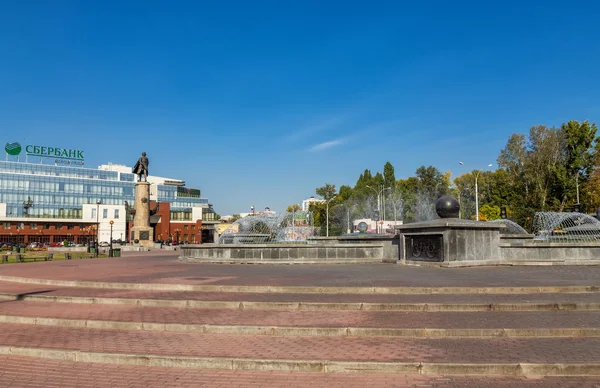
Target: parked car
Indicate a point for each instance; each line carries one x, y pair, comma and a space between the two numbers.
104, 244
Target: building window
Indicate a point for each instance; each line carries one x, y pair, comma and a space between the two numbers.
94, 213
46, 226
33, 225
105, 213
116, 214
6, 225
185, 227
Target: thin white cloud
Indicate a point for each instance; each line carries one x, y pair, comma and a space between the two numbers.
326, 145
322, 126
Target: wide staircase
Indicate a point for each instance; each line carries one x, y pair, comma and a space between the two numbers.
64, 333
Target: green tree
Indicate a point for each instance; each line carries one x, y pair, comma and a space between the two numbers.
293, 208
489, 212
580, 155
389, 178
326, 192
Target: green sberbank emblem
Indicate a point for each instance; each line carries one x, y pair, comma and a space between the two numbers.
13, 148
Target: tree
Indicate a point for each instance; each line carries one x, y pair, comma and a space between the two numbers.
580, 154
389, 178
234, 218
489, 212
327, 192
293, 208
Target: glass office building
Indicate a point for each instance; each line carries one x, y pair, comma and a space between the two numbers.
60, 192
53, 202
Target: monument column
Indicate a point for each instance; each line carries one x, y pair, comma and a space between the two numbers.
141, 230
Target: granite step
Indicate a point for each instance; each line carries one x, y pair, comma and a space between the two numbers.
308, 323
496, 356
587, 301
20, 371
306, 289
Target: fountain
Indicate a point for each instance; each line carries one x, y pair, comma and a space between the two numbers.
270, 228
566, 227
562, 239
511, 227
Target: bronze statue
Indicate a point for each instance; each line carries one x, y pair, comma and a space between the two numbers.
141, 168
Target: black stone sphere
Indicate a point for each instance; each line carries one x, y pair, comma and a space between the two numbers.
447, 207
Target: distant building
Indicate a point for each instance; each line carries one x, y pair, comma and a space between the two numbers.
375, 226
65, 201
306, 203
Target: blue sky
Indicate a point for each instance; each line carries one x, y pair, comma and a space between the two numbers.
258, 103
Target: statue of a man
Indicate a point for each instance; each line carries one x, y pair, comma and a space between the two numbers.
141, 168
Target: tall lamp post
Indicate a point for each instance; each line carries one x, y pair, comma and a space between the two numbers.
379, 195
98, 202
476, 173
327, 202
110, 250
252, 208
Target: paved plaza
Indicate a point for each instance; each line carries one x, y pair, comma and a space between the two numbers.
147, 319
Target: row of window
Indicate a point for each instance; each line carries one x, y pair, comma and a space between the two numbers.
35, 225
10, 182
59, 171
105, 214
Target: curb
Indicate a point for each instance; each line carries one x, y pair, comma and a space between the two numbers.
285, 331
310, 306
486, 369
305, 289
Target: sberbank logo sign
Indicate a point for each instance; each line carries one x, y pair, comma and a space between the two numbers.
60, 155
13, 149
53, 152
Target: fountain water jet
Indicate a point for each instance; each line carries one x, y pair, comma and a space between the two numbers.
566, 227
511, 227
265, 228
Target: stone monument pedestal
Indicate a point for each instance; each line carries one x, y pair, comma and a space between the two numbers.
141, 230
449, 241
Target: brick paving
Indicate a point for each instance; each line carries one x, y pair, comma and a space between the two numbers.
379, 319
21, 372
51, 290
380, 349
161, 267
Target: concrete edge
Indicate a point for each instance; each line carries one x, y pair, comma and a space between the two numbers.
193, 260
303, 289
286, 331
489, 369
316, 306
500, 263
308, 306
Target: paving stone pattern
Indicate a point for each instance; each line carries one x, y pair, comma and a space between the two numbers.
380, 349
163, 267
374, 319
22, 372
46, 290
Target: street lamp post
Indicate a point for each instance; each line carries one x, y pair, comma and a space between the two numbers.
110, 250
252, 208
476, 172
327, 216
98, 202
379, 195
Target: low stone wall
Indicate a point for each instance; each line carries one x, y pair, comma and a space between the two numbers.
390, 243
538, 251
283, 253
